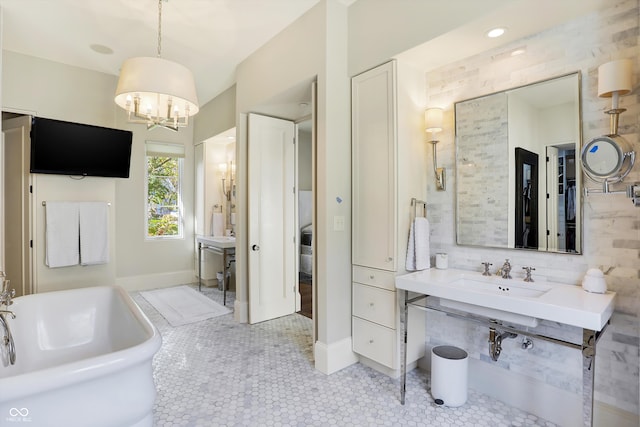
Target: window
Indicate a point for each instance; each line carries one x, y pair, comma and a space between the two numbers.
164, 190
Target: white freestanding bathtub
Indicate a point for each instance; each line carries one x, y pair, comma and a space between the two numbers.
83, 358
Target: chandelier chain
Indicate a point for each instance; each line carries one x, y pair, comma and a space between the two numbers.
159, 28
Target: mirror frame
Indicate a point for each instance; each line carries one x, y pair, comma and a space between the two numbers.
460, 162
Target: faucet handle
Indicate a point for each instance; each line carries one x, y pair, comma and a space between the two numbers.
528, 271
486, 268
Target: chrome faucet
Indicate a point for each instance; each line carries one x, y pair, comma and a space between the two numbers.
528, 270
505, 271
486, 268
7, 338
6, 295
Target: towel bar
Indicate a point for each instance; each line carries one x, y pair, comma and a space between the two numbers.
415, 203
44, 203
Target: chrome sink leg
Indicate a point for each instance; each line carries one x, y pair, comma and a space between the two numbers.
589, 339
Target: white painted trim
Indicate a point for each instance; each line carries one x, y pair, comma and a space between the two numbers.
241, 311
333, 357
608, 415
154, 281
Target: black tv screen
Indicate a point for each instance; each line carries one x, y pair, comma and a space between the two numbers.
66, 148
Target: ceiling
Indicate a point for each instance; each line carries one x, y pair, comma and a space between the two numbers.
211, 37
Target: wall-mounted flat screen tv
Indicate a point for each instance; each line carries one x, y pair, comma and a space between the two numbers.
66, 148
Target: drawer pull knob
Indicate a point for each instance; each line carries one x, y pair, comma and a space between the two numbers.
371, 304
372, 277
389, 259
371, 341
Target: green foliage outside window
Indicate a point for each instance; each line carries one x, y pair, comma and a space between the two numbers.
163, 196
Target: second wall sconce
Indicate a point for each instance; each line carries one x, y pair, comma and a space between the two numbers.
433, 124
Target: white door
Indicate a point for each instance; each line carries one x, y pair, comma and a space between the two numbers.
17, 204
272, 268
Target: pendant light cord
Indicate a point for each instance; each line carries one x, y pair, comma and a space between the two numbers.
159, 28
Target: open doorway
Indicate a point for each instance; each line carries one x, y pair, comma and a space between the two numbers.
297, 106
305, 216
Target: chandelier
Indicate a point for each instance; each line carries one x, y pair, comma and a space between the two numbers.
155, 91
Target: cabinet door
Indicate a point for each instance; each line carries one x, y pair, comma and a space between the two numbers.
373, 124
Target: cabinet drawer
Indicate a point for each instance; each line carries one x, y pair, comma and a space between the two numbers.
374, 304
374, 342
373, 277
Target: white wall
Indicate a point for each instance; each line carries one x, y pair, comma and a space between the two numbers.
216, 116
59, 91
304, 161
304, 51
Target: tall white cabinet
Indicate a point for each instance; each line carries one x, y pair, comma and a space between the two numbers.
389, 169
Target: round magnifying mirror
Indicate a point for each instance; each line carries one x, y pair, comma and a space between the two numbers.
606, 158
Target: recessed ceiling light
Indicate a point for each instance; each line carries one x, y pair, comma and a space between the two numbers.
100, 48
518, 51
496, 32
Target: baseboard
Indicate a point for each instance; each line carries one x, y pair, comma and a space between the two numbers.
536, 397
393, 373
606, 415
145, 282
333, 357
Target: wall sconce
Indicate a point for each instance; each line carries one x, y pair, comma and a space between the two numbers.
227, 190
608, 159
433, 124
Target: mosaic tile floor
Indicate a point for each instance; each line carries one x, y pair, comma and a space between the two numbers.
221, 373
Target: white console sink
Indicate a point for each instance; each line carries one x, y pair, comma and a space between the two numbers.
499, 286
221, 242
512, 300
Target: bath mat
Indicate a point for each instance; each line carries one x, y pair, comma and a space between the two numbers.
181, 305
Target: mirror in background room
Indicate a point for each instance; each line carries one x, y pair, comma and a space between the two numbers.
516, 172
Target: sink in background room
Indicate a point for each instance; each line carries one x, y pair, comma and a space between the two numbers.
217, 241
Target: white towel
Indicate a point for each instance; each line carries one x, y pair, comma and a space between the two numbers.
418, 256
217, 224
62, 233
94, 233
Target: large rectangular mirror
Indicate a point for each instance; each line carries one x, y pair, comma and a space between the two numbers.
517, 178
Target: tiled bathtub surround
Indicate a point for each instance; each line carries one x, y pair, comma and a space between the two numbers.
611, 223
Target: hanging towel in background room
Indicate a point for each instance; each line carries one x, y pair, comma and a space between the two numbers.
418, 256
62, 234
217, 224
94, 233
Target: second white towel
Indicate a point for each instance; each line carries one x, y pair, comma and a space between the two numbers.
94, 233
418, 256
217, 224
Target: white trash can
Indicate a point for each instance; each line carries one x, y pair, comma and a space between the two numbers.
449, 368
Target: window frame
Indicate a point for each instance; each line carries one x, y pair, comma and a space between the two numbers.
175, 151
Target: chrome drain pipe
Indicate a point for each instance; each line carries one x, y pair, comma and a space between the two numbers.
495, 342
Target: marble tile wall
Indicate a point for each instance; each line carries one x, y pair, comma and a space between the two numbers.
611, 223
483, 132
